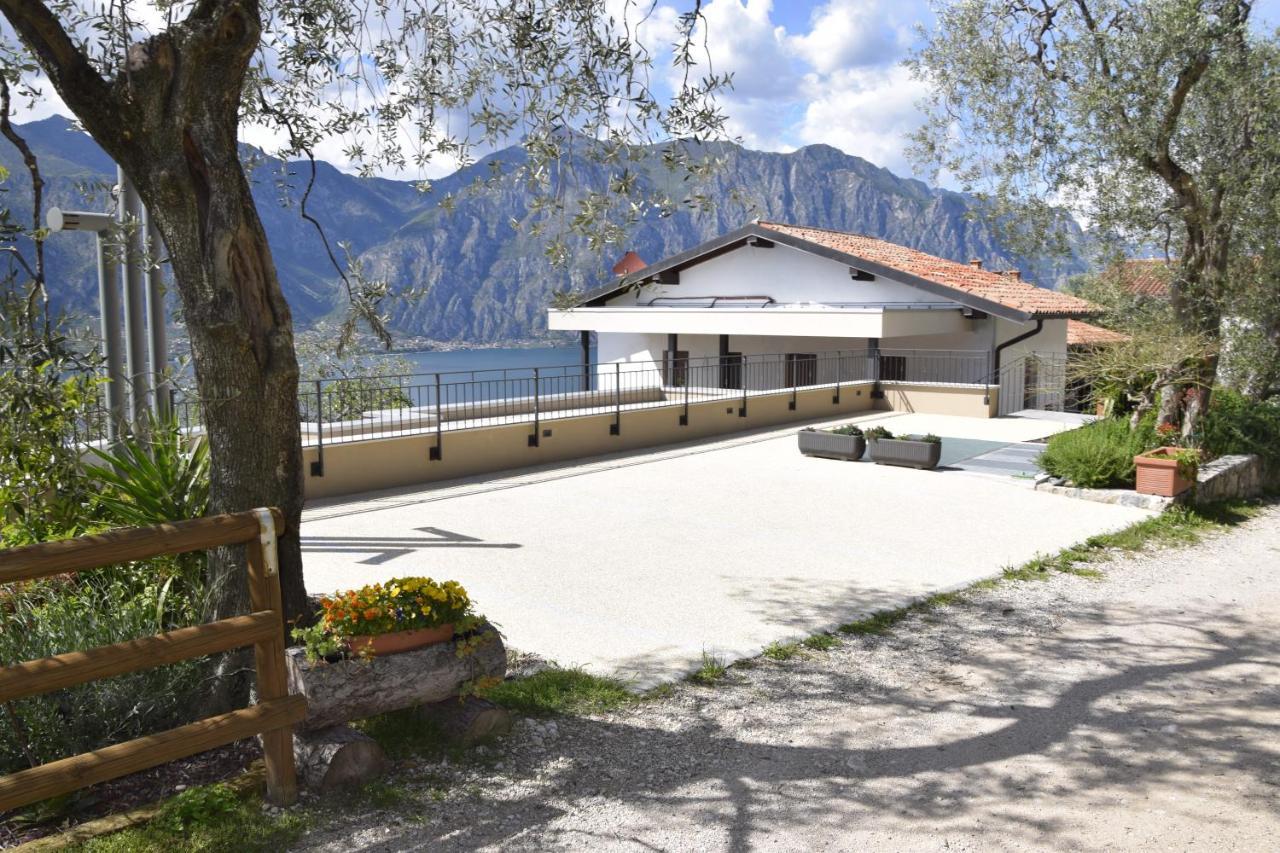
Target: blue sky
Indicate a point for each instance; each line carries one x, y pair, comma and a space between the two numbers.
805, 72
829, 71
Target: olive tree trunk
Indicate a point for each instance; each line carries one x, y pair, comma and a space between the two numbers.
170, 119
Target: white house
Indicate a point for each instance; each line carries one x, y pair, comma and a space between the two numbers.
773, 306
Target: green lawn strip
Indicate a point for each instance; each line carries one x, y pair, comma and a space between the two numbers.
1176, 527
561, 691
208, 819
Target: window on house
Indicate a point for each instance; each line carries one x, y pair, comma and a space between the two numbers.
893, 368
802, 368
675, 367
731, 370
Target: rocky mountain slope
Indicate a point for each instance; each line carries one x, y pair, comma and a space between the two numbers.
480, 275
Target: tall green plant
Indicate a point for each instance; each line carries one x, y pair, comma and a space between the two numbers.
163, 476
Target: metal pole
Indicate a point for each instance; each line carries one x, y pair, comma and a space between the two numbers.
437, 452
317, 467
109, 304
616, 428
836, 398
129, 215
158, 352
537, 414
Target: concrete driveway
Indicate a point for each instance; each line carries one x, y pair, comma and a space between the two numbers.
638, 565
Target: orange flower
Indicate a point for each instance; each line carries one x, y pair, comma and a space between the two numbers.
371, 613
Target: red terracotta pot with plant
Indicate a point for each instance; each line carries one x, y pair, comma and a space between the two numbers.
1166, 471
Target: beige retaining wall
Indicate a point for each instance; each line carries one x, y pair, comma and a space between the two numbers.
971, 401
362, 466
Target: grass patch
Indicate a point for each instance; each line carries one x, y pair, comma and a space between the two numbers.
406, 733
209, 819
561, 691
821, 642
781, 651
1179, 526
713, 669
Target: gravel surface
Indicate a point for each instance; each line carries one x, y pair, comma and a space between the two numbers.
1138, 711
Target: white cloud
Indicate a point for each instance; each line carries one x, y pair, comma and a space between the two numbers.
867, 112
853, 33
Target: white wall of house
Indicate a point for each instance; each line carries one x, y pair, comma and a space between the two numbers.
785, 274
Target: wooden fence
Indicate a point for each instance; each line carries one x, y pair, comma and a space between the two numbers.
272, 717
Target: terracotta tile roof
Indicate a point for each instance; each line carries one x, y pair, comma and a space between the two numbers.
1145, 277
1081, 334
1005, 289
629, 263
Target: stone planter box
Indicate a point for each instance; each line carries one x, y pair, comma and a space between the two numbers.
906, 452
354, 689
1158, 473
829, 445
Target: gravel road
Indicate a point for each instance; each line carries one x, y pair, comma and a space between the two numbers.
1136, 712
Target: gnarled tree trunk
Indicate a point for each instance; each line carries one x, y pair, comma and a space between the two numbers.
170, 119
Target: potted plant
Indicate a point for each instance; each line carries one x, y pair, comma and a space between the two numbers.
385, 618
1166, 471
843, 442
911, 451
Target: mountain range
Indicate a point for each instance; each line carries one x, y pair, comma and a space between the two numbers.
478, 273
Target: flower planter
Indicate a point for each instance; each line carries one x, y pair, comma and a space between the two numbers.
399, 641
1161, 474
356, 688
906, 452
829, 445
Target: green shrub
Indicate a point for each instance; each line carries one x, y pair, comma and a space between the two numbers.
45, 618
848, 429
877, 432
1235, 424
1098, 455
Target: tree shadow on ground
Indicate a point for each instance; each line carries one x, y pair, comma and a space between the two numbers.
985, 722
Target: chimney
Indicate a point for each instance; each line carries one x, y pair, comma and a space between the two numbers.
975, 263
629, 263
1016, 275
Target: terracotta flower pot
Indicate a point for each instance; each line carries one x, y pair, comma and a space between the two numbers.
400, 641
1159, 474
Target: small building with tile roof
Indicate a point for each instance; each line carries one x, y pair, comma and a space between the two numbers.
812, 301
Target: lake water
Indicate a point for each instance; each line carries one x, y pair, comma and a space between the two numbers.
489, 374
519, 361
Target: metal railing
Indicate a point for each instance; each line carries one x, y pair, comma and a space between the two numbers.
364, 408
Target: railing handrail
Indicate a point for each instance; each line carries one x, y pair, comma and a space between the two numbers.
273, 714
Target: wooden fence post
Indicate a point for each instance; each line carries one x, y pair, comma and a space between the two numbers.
264, 594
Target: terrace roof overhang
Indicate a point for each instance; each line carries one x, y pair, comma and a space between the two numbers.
667, 271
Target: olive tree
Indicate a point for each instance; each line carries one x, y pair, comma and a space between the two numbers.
165, 88
1148, 118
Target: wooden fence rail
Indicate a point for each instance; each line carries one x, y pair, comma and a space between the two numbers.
272, 717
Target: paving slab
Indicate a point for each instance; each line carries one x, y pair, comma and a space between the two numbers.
638, 565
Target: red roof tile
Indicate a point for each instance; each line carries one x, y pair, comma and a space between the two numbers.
1005, 289
629, 263
1145, 276
1081, 334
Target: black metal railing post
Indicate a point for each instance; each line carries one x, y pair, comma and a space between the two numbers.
437, 453
684, 418
317, 467
839, 361
537, 413
742, 410
616, 427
